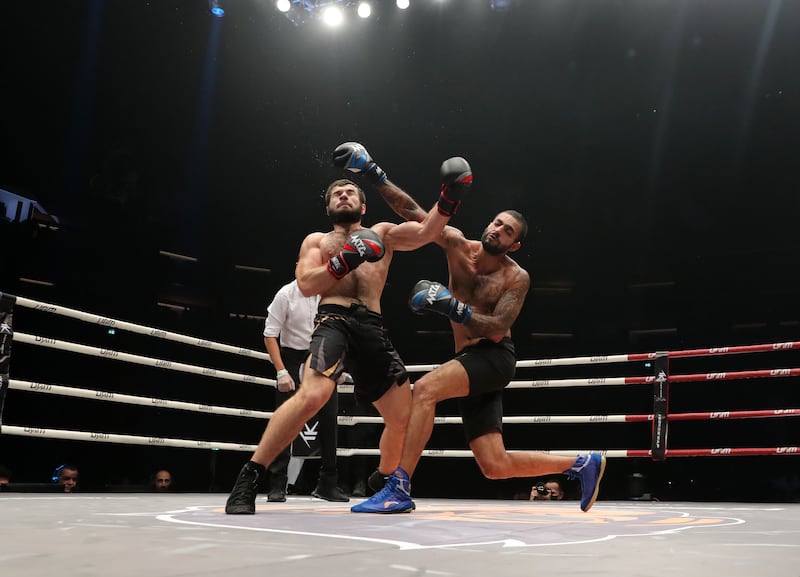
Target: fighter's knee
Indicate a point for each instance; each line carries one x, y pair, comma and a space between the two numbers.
425, 391
313, 398
491, 471
493, 468
398, 421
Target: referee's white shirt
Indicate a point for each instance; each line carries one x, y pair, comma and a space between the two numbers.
290, 316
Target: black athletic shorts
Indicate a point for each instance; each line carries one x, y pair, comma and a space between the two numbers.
490, 367
353, 339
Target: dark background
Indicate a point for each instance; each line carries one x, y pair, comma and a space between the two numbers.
652, 145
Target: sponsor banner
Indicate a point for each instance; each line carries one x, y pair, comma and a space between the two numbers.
307, 444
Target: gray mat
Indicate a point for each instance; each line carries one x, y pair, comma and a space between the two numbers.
176, 535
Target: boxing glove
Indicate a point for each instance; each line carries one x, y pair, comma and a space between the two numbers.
435, 297
354, 157
362, 246
456, 180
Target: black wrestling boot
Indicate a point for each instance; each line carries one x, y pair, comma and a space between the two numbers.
328, 489
276, 495
242, 500
278, 481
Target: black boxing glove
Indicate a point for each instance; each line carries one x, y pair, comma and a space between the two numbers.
456, 180
435, 297
362, 246
354, 157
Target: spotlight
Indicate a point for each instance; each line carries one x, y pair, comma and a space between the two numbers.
332, 16
216, 9
402, 4
331, 12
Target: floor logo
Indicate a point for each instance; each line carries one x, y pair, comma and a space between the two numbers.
441, 523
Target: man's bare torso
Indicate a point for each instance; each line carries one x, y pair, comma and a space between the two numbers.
365, 284
481, 289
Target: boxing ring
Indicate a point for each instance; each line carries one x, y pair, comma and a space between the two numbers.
189, 534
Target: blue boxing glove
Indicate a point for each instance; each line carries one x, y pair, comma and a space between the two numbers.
456, 180
435, 297
354, 157
362, 246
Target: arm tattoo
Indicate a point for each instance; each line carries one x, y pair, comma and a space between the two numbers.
400, 202
504, 315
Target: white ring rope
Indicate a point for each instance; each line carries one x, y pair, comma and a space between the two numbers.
213, 445
565, 361
347, 420
122, 439
137, 359
96, 395
711, 351
540, 383
140, 329
347, 452
209, 372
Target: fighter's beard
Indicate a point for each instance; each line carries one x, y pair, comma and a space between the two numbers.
491, 249
346, 216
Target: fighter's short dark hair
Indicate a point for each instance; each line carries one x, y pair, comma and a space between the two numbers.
342, 182
523, 231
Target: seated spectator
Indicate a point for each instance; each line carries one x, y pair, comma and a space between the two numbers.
66, 475
548, 490
5, 475
161, 481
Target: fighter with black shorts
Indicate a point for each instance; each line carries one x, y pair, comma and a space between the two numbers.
482, 300
353, 339
490, 367
347, 267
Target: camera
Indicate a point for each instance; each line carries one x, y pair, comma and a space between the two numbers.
541, 489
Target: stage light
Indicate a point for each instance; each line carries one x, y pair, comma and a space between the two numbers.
302, 12
332, 16
216, 9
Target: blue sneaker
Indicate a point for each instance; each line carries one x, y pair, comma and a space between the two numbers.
589, 470
395, 497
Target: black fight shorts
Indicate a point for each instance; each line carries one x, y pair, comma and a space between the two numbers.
490, 367
353, 339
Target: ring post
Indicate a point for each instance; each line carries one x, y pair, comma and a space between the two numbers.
6, 337
658, 447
